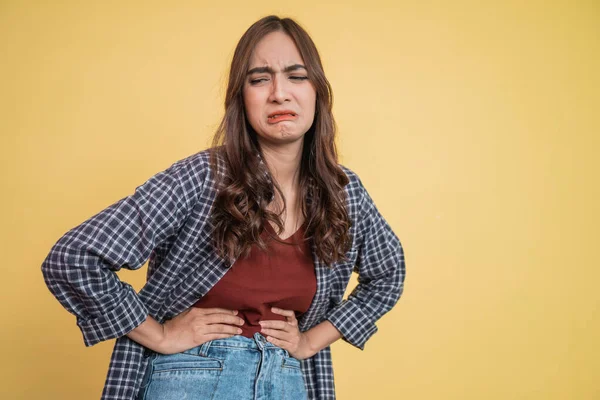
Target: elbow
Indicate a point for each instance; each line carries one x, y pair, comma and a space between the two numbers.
51, 265
398, 277
55, 267
401, 272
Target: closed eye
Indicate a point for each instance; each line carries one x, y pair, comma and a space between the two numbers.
255, 81
296, 78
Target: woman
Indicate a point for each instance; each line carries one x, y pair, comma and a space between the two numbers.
251, 245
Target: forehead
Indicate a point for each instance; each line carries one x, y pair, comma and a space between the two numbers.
275, 49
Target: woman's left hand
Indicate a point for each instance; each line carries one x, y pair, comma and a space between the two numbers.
285, 334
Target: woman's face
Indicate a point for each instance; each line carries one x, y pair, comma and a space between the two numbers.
277, 83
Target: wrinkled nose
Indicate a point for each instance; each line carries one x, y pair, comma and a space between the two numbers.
279, 93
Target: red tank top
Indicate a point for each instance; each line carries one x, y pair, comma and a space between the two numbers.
282, 277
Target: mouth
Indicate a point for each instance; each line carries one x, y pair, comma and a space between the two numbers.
282, 114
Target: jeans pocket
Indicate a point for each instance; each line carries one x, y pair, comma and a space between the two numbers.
290, 362
175, 376
293, 379
184, 362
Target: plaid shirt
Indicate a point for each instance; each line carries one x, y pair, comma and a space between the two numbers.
166, 222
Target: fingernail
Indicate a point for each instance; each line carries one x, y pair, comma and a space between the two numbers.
235, 312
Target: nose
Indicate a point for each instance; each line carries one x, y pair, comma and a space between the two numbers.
279, 93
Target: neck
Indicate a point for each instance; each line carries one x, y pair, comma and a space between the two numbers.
284, 163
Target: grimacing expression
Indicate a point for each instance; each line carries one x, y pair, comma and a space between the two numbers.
279, 98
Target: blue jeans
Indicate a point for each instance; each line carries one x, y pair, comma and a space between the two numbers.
236, 368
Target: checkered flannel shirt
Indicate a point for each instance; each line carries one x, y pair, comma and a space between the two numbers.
166, 222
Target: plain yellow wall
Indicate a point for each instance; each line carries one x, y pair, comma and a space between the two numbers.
474, 126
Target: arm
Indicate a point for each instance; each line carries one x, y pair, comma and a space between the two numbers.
80, 268
321, 336
381, 273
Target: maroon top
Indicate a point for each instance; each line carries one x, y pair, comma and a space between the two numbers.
283, 278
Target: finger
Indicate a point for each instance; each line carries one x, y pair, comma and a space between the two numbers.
278, 342
216, 310
222, 319
222, 328
214, 336
287, 313
290, 315
277, 334
275, 324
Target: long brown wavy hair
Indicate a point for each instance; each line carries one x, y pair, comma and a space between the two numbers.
245, 184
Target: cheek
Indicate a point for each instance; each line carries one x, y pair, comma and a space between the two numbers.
311, 98
251, 105
311, 101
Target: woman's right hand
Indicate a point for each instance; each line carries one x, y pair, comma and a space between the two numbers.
196, 326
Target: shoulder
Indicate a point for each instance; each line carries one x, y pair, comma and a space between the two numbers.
188, 178
194, 169
354, 188
198, 162
356, 195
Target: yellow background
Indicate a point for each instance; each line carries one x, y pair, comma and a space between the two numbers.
474, 126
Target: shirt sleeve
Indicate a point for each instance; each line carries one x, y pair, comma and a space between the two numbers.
80, 268
381, 272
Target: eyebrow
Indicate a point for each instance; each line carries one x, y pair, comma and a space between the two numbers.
289, 68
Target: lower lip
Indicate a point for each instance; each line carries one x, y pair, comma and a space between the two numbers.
281, 118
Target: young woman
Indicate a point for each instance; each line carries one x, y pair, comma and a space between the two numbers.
251, 245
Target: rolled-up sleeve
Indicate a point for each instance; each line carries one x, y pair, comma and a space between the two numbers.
80, 268
381, 272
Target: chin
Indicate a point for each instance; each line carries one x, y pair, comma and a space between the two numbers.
282, 137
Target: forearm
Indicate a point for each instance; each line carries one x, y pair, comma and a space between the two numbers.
321, 336
149, 333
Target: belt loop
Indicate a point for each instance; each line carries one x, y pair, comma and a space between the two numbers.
204, 348
260, 340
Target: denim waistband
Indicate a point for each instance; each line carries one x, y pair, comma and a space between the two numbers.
258, 342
